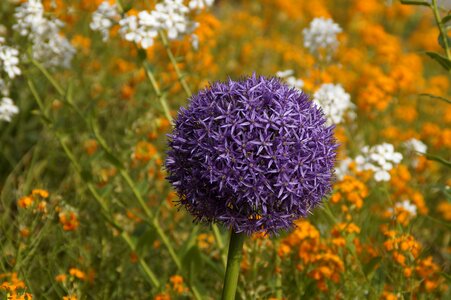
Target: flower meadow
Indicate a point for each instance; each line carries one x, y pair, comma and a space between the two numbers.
188, 149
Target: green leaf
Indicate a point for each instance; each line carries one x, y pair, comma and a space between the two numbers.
370, 267
112, 159
446, 19
441, 40
447, 276
443, 61
145, 241
86, 175
192, 262
438, 159
190, 241
411, 2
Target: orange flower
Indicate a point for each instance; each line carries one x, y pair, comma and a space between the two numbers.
25, 202
177, 284
444, 208
162, 297
24, 231
77, 273
144, 151
90, 146
351, 189
205, 240
41, 193
60, 277
69, 220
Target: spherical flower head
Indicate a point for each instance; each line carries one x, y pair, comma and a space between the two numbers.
254, 155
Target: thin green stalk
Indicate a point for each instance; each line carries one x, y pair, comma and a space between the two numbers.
233, 265
218, 239
278, 271
49, 77
443, 32
171, 56
160, 96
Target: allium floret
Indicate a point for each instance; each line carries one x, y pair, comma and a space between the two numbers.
254, 155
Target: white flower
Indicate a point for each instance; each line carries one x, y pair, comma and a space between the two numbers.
103, 18
7, 109
321, 34
48, 46
29, 17
381, 175
406, 205
334, 101
342, 168
292, 81
416, 145
129, 29
195, 41
148, 28
200, 4
284, 74
380, 159
169, 15
9, 61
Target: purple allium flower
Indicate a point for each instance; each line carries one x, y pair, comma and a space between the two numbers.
254, 155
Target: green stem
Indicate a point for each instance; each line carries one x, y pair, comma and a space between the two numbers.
278, 272
160, 96
171, 56
443, 32
233, 265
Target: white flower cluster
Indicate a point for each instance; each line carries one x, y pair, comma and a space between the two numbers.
407, 206
9, 60
48, 46
288, 77
415, 145
321, 34
9, 66
7, 109
342, 168
380, 159
200, 4
104, 18
169, 15
335, 102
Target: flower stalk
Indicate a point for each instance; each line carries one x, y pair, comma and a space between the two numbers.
233, 265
